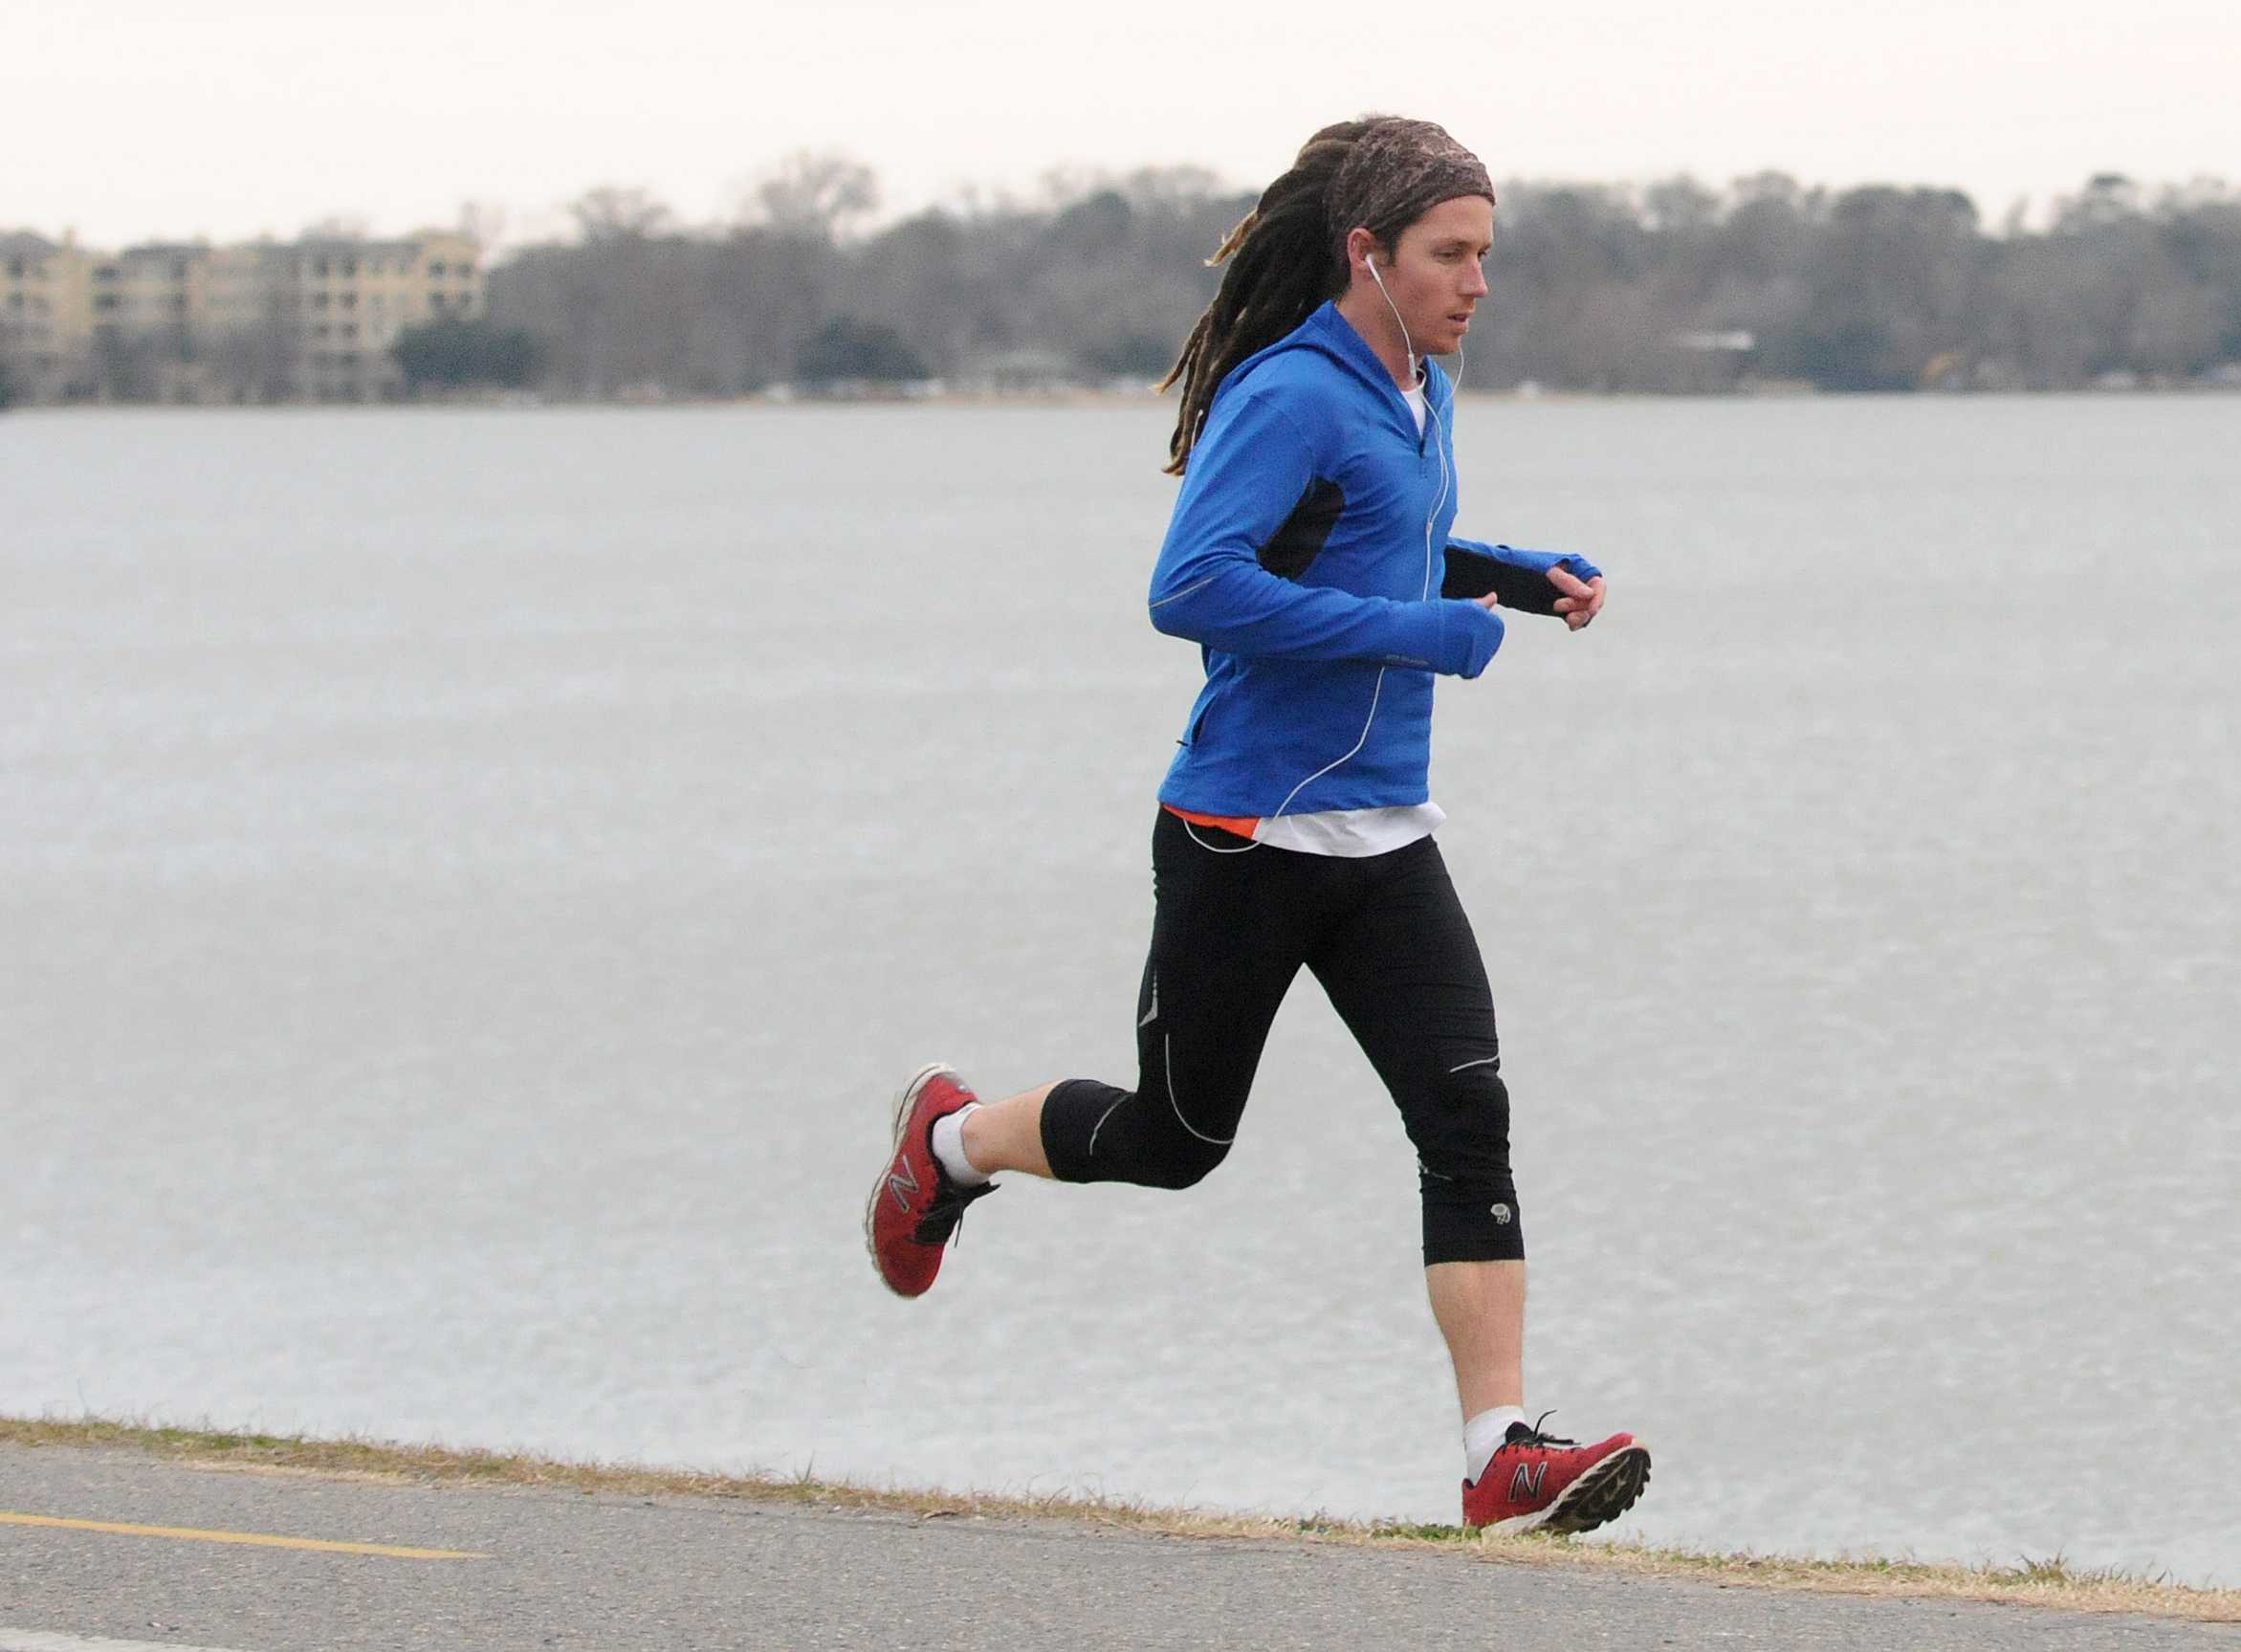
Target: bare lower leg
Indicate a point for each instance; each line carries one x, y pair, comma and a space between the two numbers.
1007, 1134
1481, 1308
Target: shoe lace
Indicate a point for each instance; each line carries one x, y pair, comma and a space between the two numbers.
945, 1217
1532, 1437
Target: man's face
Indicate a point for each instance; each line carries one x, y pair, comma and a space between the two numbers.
1435, 280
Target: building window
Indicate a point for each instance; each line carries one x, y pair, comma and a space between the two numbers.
350, 300
436, 270
15, 268
319, 300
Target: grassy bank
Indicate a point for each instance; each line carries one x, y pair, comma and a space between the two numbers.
2049, 1582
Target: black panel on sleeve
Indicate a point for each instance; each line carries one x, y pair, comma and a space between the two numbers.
1299, 538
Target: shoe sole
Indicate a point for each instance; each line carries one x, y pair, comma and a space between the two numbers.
1596, 1498
904, 1099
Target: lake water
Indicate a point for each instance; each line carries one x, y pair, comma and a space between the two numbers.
469, 883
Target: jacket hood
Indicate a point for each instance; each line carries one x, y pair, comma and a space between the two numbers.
1330, 334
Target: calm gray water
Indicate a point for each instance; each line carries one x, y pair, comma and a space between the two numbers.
469, 883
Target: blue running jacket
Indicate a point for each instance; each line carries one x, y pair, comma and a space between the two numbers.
1310, 559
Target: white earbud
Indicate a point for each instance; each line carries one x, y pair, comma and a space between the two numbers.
1407, 343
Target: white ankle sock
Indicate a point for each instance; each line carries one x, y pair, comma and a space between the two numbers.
1482, 1437
949, 1147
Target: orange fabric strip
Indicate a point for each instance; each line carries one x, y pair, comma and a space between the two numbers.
1243, 825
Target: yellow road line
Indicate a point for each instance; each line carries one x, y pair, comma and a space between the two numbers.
258, 1538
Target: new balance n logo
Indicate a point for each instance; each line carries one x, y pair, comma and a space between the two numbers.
903, 1182
1526, 1483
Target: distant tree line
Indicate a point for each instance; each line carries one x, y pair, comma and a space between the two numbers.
1099, 282
1866, 289
1672, 287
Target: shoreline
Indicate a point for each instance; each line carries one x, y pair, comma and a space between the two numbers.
2051, 1582
1085, 396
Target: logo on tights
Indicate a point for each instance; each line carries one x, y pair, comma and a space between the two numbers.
1500, 1212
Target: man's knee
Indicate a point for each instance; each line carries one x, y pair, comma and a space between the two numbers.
1461, 1128
1462, 1136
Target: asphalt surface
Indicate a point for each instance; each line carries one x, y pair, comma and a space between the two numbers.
562, 1569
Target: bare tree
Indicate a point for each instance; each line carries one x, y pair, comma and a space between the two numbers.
613, 212
484, 223
809, 194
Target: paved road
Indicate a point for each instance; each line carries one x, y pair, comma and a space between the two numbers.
560, 1569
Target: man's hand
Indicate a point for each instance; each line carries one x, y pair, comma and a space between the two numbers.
1580, 601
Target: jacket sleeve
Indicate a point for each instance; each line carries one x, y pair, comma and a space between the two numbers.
1517, 579
1247, 471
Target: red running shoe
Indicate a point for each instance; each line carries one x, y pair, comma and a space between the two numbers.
914, 1206
1536, 1482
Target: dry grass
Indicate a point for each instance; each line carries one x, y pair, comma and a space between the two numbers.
2049, 1582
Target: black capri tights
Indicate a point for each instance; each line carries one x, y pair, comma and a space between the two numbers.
1388, 939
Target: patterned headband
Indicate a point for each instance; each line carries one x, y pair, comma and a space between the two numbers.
1397, 171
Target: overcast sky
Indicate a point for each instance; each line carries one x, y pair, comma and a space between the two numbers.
137, 120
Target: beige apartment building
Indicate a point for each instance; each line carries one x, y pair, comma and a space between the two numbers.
46, 308
312, 319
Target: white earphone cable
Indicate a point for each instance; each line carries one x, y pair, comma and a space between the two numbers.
1420, 380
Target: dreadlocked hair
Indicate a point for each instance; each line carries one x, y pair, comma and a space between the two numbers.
1284, 261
